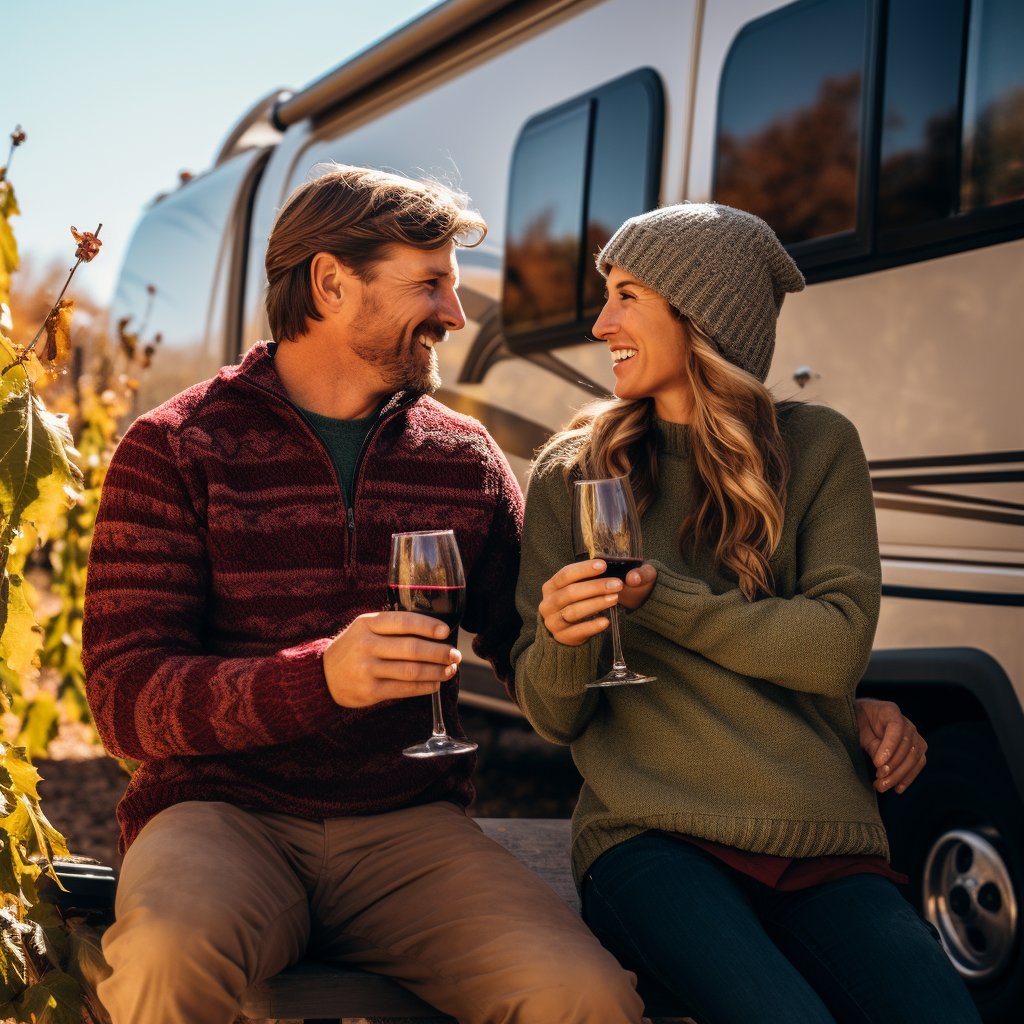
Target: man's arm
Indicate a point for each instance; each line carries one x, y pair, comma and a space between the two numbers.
155, 691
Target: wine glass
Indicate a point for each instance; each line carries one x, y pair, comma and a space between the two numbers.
605, 525
425, 576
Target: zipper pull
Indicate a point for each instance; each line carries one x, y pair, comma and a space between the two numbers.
351, 521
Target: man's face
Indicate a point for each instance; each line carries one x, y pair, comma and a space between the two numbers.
407, 308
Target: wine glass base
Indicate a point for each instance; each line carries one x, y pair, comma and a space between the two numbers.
626, 678
440, 746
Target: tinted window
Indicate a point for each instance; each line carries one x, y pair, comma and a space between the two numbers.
545, 219
917, 179
789, 119
577, 173
182, 249
621, 173
993, 130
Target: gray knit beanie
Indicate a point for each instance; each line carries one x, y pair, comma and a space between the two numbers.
722, 268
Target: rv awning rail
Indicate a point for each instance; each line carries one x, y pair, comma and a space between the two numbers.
416, 39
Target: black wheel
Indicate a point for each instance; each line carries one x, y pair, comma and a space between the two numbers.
958, 832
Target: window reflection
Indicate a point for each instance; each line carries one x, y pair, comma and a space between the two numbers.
619, 176
577, 174
993, 130
789, 120
180, 247
917, 177
545, 217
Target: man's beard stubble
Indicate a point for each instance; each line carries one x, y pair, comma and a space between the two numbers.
397, 361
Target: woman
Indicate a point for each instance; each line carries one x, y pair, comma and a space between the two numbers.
727, 839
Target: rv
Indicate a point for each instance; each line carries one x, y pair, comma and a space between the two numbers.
884, 142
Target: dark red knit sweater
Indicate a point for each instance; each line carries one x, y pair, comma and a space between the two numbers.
224, 561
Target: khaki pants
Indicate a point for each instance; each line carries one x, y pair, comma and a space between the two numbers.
213, 898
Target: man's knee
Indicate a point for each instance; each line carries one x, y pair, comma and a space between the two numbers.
579, 984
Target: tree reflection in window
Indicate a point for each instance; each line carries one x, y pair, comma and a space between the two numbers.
800, 172
790, 111
993, 131
917, 176
545, 217
578, 172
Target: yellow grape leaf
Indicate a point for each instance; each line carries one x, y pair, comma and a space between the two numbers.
37, 480
39, 725
58, 332
8, 258
22, 637
23, 773
29, 825
8, 202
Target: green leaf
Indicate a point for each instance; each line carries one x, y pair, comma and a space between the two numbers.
54, 999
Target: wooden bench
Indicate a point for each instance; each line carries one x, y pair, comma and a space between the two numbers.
319, 993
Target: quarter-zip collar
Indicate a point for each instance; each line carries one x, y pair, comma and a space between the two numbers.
257, 370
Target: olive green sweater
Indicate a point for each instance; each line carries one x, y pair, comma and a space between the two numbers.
749, 735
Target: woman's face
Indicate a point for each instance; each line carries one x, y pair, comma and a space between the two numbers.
648, 345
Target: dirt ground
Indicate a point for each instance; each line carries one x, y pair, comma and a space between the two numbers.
518, 775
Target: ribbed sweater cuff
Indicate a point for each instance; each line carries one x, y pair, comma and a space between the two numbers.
673, 605
561, 670
303, 704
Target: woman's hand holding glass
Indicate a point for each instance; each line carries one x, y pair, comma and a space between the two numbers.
574, 593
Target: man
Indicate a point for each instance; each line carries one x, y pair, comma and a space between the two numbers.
235, 647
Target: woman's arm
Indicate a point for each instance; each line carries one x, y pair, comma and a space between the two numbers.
551, 677
818, 641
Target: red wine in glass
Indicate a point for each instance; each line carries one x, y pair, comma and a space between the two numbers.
617, 566
444, 603
425, 576
605, 526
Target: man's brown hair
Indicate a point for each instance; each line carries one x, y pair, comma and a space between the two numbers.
355, 214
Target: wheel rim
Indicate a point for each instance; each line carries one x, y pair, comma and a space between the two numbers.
969, 897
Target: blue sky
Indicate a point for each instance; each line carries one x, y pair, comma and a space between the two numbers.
118, 96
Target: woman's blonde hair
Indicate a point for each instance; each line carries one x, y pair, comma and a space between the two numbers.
741, 460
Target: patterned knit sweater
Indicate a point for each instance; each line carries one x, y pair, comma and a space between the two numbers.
749, 735
224, 561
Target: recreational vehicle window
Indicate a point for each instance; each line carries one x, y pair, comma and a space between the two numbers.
993, 129
790, 117
854, 185
917, 176
578, 171
951, 164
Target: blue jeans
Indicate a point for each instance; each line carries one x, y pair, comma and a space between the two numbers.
735, 951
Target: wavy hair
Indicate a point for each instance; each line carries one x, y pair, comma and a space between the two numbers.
741, 460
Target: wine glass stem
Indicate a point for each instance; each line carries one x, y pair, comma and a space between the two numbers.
435, 703
619, 664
